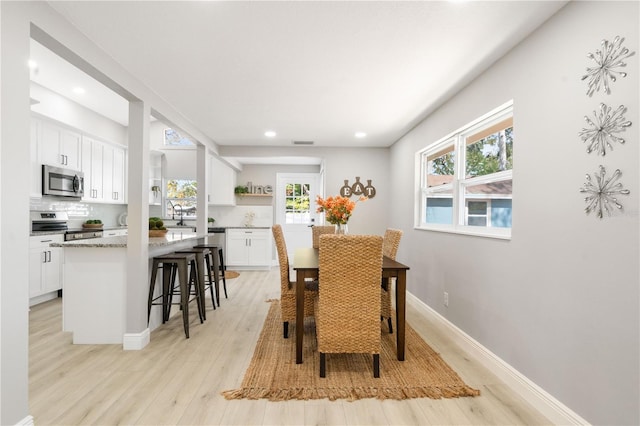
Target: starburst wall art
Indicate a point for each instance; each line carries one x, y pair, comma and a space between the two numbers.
602, 191
608, 61
603, 129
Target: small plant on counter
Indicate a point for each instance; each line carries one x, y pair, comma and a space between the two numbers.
211, 220
156, 223
93, 222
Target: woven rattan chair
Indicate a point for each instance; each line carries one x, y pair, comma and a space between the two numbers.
347, 309
390, 245
288, 287
320, 230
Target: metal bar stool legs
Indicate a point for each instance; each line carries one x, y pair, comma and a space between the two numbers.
203, 260
218, 268
175, 264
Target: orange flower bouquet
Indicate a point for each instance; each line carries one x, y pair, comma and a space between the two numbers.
337, 210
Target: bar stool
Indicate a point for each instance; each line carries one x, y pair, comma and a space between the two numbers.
204, 261
172, 263
218, 268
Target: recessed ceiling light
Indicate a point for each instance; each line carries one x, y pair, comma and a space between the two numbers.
32, 64
360, 134
270, 133
79, 91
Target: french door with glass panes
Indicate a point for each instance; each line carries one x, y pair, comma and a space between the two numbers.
296, 207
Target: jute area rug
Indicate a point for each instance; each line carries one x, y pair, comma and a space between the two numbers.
273, 373
231, 274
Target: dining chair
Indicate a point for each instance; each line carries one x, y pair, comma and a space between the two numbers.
288, 287
347, 308
390, 244
321, 230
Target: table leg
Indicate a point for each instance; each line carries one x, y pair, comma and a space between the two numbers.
401, 299
299, 315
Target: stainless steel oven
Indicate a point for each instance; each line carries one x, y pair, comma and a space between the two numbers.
62, 182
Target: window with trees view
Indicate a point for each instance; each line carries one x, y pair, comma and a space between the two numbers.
466, 178
181, 199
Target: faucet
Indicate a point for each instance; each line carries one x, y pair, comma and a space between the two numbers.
173, 211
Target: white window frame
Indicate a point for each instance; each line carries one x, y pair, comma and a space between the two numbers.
457, 139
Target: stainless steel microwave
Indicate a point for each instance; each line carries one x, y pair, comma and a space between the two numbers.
62, 182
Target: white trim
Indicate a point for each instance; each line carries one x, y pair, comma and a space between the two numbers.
550, 407
27, 421
136, 341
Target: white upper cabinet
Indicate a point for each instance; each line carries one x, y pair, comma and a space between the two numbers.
222, 182
58, 146
92, 158
103, 165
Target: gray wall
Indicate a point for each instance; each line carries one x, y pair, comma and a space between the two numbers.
340, 164
559, 301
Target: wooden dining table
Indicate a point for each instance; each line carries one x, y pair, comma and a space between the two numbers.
306, 265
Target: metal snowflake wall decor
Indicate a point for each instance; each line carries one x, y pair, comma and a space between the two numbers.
603, 129
608, 60
601, 193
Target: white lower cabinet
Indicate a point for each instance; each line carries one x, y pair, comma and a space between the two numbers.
114, 232
248, 247
45, 265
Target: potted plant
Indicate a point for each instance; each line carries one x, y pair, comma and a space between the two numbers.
92, 223
156, 227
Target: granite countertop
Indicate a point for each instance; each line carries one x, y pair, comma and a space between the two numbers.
121, 241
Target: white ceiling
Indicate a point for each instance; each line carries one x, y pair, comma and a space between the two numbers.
312, 71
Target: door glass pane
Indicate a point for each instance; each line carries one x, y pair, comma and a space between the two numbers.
297, 203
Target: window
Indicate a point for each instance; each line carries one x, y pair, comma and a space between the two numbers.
466, 178
181, 199
297, 203
173, 138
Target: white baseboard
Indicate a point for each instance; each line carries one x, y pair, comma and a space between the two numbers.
136, 341
541, 400
27, 421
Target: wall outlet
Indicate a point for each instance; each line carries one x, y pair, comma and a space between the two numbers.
446, 299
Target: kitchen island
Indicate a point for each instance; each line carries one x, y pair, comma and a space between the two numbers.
95, 286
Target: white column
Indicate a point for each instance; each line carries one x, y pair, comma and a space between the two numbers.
202, 177
15, 176
137, 333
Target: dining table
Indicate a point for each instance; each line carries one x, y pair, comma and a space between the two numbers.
306, 265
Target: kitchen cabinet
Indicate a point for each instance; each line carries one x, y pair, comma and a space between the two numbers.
118, 174
54, 145
103, 165
58, 146
45, 265
222, 182
249, 247
114, 232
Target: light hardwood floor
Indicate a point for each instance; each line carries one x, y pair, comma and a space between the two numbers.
178, 381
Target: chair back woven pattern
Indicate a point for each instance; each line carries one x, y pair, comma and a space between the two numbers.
391, 242
348, 305
288, 288
321, 230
